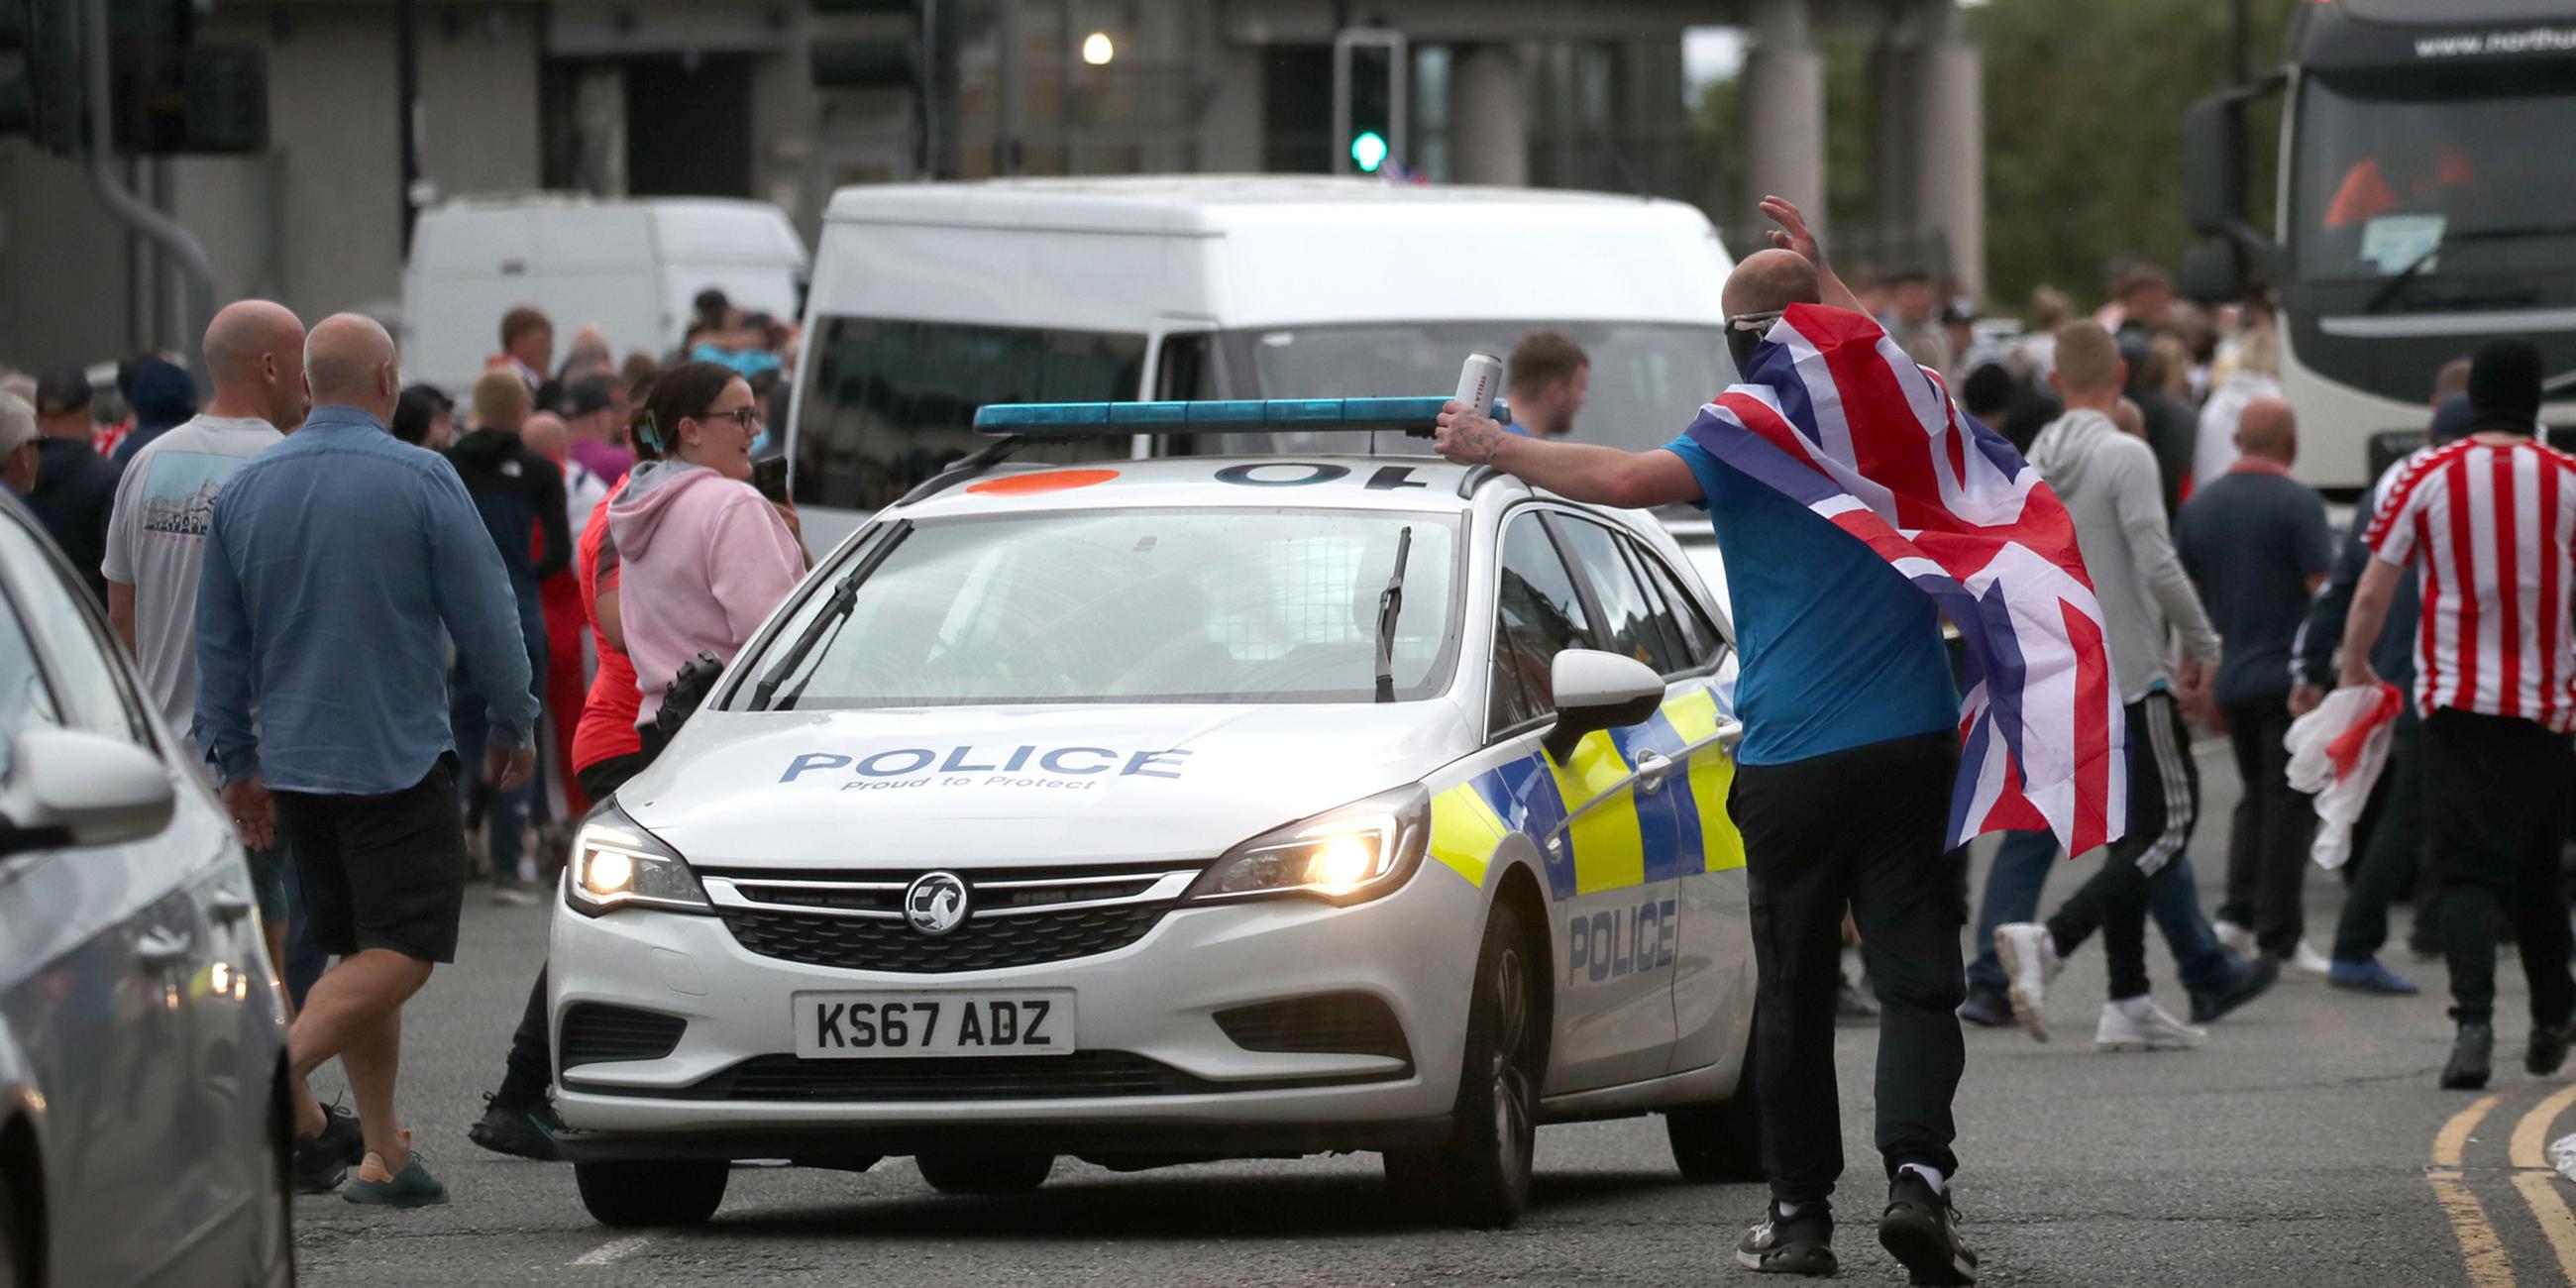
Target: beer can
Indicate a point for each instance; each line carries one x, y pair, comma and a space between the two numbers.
1480, 382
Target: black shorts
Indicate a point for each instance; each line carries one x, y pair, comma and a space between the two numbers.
381, 871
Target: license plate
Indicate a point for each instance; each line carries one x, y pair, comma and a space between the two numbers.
850, 1026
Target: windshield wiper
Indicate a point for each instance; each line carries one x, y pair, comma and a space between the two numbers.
1390, 603
845, 596
2388, 293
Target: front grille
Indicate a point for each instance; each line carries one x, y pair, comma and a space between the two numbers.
596, 1033
1081, 1075
983, 943
1329, 1023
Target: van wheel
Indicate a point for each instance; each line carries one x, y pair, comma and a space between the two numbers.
659, 1192
1481, 1178
1721, 1140
985, 1173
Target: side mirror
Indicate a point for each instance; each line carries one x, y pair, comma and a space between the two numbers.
2213, 135
1595, 691
2213, 272
69, 788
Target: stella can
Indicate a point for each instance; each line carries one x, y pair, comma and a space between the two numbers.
1480, 382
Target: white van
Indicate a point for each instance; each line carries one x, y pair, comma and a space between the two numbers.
931, 300
629, 268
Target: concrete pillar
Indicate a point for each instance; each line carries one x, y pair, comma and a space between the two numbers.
1950, 147
1488, 122
1230, 128
1785, 97
1895, 93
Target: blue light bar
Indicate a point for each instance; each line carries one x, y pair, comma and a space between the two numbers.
1228, 416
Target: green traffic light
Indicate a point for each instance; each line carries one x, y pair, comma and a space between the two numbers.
1369, 151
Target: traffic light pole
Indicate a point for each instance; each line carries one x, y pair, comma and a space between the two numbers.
132, 211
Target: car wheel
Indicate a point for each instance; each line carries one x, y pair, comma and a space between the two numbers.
1481, 1178
660, 1192
1721, 1140
985, 1173
272, 1260
14, 1270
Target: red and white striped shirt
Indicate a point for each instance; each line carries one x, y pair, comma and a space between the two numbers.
2497, 528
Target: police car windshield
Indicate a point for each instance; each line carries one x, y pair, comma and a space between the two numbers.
1648, 379
1144, 605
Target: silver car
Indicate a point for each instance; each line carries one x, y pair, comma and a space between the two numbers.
143, 1113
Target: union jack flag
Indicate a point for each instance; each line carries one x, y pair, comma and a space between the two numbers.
1834, 416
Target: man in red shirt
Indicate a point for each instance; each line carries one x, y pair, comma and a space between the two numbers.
2493, 518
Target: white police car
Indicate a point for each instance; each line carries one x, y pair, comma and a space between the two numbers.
1162, 811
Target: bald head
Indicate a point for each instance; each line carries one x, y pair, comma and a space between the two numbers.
1768, 281
350, 360
2268, 428
547, 436
255, 359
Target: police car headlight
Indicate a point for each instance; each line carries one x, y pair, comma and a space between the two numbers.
1342, 856
616, 863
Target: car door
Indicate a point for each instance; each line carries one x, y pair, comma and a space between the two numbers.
1607, 851
112, 1017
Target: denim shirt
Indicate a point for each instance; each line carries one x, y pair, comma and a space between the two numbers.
338, 564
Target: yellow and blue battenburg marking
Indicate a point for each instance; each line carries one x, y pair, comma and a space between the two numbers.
1681, 830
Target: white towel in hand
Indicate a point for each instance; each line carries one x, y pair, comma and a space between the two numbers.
2336, 753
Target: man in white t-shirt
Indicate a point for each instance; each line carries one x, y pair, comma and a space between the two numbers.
157, 535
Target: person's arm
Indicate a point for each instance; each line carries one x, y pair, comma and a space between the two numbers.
472, 591
120, 611
2370, 600
753, 562
2136, 501
554, 526
2314, 544
118, 564
226, 691
611, 625
1793, 234
2312, 665
1586, 472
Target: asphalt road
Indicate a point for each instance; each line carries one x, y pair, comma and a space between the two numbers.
2298, 1147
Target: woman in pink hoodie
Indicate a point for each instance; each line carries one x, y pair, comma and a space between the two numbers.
703, 556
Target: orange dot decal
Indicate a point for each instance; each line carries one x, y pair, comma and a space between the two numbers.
1033, 484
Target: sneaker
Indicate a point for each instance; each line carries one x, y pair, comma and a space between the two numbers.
2306, 962
2472, 1055
1987, 1008
507, 893
1852, 1007
412, 1187
2368, 976
323, 1160
1790, 1245
2237, 939
2030, 961
2254, 977
2150, 1030
1921, 1229
519, 1129
2548, 1048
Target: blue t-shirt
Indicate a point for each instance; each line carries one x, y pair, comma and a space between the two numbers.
1835, 648
2250, 540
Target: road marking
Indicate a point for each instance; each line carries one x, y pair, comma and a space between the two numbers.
2539, 1189
2531, 1135
608, 1253
2479, 1247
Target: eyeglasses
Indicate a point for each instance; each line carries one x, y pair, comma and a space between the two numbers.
746, 417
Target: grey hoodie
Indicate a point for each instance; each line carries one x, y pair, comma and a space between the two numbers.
2109, 484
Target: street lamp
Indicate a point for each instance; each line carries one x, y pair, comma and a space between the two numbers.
1097, 49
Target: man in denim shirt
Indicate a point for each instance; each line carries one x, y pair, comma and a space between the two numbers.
336, 564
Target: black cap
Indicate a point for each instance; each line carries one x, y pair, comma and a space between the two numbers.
2504, 386
62, 392
590, 396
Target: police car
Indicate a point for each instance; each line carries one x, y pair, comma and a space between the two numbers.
1160, 811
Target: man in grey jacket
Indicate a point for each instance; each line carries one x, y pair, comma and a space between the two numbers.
2108, 483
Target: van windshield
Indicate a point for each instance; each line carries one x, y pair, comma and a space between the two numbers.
1648, 379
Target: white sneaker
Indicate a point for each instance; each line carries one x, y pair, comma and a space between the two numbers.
511, 894
2029, 961
2309, 962
2235, 938
2153, 1031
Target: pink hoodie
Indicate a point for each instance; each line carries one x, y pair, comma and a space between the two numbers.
703, 559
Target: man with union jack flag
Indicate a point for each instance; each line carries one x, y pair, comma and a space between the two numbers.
1856, 507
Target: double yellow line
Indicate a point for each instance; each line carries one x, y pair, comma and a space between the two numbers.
2484, 1252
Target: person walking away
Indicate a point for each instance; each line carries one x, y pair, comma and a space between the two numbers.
703, 557
18, 444
2395, 850
425, 417
1843, 793
567, 670
2167, 424
337, 565
162, 398
2492, 519
2108, 482
2255, 373
1546, 379
1916, 321
155, 549
594, 414
2257, 544
75, 487
521, 498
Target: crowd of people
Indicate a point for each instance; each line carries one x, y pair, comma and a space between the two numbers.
402, 649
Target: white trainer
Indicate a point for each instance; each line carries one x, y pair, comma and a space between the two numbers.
2309, 962
2154, 1031
2030, 962
2235, 938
